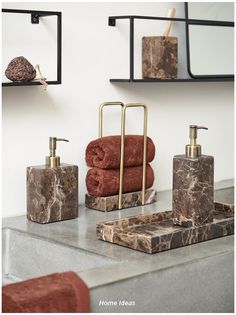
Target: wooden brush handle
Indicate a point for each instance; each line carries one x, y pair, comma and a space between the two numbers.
171, 14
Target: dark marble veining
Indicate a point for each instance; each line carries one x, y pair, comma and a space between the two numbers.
222, 208
155, 232
159, 57
193, 191
129, 200
52, 193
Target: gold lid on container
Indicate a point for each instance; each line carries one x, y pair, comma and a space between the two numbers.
53, 160
193, 149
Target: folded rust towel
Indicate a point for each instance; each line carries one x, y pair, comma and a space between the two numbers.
105, 152
101, 183
55, 293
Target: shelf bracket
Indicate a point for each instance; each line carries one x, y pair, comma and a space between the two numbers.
35, 18
111, 21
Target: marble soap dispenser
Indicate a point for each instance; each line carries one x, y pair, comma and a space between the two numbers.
52, 189
193, 184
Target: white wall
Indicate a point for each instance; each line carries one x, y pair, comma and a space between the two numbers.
92, 54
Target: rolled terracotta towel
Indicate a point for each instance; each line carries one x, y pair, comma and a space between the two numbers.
105, 152
55, 293
101, 183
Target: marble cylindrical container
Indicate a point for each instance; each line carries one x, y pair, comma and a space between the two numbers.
159, 57
52, 193
193, 190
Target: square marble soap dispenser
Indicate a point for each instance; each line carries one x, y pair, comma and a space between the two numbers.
193, 184
52, 189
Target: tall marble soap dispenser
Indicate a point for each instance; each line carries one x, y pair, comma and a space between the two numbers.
52, 189
193, 184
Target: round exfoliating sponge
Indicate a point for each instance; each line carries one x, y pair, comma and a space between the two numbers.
20, 69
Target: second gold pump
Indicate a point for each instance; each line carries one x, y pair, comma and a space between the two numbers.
53, 160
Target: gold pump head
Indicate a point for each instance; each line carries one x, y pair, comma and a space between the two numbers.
193, 149
53, 160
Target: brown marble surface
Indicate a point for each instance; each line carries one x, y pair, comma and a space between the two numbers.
155, 232
129, 200
159, 57
52, 193
193, 191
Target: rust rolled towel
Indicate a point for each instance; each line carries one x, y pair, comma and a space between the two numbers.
55, 293
105, 152
101, 183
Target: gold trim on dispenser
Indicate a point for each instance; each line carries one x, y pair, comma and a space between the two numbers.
193, 149
122, 148
53, 160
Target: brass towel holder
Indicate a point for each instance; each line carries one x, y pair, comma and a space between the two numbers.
122, 147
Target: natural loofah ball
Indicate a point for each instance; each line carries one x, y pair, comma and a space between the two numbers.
20, 69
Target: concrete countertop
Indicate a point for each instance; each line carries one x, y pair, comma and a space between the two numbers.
81, 233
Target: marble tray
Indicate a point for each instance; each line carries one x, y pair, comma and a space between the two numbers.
129, 200
155, 232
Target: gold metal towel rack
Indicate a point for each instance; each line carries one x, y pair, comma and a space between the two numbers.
122, 148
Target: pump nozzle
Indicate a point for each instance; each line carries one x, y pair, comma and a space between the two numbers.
193, 149
53, 160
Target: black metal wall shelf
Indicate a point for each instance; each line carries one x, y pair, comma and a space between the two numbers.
169, 80
132, 18
35, 19
26, 83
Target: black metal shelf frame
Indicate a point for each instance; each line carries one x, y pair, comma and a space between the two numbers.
131, 18
212, 23
35, 19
